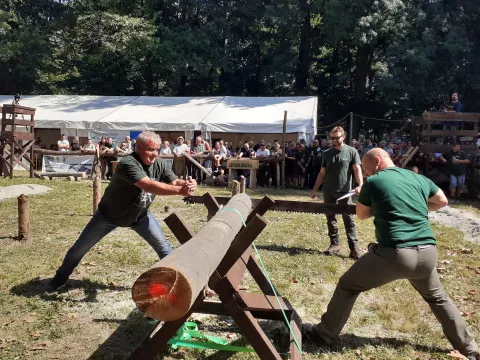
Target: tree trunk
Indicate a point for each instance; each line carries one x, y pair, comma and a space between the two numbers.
362, 67
303, 64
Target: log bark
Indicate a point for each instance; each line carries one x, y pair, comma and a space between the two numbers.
23, 218
97, 193
167, 291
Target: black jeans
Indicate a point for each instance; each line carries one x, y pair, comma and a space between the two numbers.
348, 220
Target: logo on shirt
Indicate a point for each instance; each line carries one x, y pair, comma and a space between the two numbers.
145, 199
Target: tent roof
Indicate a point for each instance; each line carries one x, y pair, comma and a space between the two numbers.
219, 114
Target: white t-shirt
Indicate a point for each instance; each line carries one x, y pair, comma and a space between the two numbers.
179, 149
63, 142
89, 147
266, 152
223, 150
166, 151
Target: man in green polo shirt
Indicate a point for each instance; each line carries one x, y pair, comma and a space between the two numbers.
138, 178
339, 163
399, 200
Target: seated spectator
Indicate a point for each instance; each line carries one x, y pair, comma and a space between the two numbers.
165, 150
75, 145
457, 161
89, 146
63, 144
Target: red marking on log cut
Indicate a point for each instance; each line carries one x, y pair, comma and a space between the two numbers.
157, 290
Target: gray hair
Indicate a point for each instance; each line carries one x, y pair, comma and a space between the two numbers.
148, 136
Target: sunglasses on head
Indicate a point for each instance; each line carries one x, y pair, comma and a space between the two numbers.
336, 137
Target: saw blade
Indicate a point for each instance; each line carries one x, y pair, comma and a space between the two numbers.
288, 205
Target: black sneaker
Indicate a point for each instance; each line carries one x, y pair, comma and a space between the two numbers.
55, 284
355, 254
309, 333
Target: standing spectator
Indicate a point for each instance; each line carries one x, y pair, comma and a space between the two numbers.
89, 146
454, 106
171, 142
165, 150
198, 149
110, 147
245, 152
290, 164
456, 160
122, 149
338, 164
63, 145
301, 164
257, 146
75, 145
128, 144
263, 175
179, 160
316, 159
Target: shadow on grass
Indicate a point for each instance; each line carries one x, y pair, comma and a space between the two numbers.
291, 250
353, 342
36, 287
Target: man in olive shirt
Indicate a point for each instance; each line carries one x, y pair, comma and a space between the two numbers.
338, 165
456, 160
138, 178
399, 200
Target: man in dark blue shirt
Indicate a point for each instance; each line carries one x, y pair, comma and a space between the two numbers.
454, 106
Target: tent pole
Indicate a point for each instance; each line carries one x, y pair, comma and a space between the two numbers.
284, 148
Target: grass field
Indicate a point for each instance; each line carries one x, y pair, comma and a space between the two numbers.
95, 317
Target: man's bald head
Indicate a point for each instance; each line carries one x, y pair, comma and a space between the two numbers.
377, 152
376, 160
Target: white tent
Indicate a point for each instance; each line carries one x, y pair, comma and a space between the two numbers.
208, 114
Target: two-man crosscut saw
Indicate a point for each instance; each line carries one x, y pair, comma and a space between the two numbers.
287, 205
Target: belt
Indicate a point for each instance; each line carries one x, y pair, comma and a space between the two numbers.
418, 247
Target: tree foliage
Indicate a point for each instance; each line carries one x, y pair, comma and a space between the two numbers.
379, 58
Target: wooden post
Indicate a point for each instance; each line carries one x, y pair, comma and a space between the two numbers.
97, 192
235, 187
253, 178
243, 184
284, 151
23, 218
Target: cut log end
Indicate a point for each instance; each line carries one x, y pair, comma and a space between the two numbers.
162, 294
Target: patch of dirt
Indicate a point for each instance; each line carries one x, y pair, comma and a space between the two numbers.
8, 192
462, 220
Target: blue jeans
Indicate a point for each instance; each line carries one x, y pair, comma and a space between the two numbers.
457, 181
98, 227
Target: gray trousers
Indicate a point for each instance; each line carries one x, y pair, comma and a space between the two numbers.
383, 265
348, 221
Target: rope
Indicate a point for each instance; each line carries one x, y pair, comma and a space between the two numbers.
265, 272
372, 118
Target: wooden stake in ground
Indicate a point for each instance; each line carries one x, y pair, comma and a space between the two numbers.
168, 290
23, 218
243, 184
97, 192
235, 187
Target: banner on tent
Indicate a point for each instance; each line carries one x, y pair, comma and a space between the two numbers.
117, 135
67, 164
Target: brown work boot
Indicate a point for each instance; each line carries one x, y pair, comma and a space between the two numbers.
309, 333
355, 254
332, 250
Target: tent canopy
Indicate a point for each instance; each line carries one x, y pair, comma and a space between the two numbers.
209, 114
